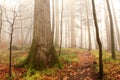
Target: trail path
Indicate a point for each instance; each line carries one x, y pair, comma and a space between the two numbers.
83, 70
86, 67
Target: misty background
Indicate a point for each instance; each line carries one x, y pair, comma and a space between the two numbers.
77, 17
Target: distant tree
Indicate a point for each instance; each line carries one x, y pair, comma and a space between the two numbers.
0, 22
73, 36
66, 29
88, 24
116, 24
81, 32
81, 25
98, 41
57, 32
107, 27
53, 19
21, 26
111, 30
42, 53
61, 28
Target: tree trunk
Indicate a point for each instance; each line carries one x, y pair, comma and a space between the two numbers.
10, 57
66, 32
95, 39
57, 24
88, 24
81, 26
98, 41
53, 20
112, 31
81, 31
116, 25
107, 27
0, 23
21, 25
42, 53
10, 44
61, 29
73, 36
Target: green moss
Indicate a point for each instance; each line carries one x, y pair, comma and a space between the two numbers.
31, 74
69, 57
54, 58
34, 63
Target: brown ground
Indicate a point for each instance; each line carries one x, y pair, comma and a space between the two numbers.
83, 70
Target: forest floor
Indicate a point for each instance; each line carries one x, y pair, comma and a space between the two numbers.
84, 69
75, 64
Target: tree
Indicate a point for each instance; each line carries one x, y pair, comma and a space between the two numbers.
61, 29
42, 53
53, 19
0, 22
98, 41
81, 31
116, 24
11, 22
112, 31
73, 36
11, 41
107, 29
57, 23
88, 24
21, 25
81, 25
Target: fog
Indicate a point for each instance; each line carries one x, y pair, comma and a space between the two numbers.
23, 27
24, 23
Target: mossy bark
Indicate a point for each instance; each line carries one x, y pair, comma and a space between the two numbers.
41, 59
42, 53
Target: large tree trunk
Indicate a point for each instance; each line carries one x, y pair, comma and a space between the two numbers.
42, 53
112, 31
98, 41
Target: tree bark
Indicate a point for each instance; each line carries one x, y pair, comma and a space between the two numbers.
112, 31
73, 36
57, 35
61, 29
53, 19
81, 32
107, 27
21, 25
42, 53
88, 24
10, 44
98, 41
0, 23
116, 25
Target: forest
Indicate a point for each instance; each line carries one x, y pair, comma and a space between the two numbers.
59, 40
